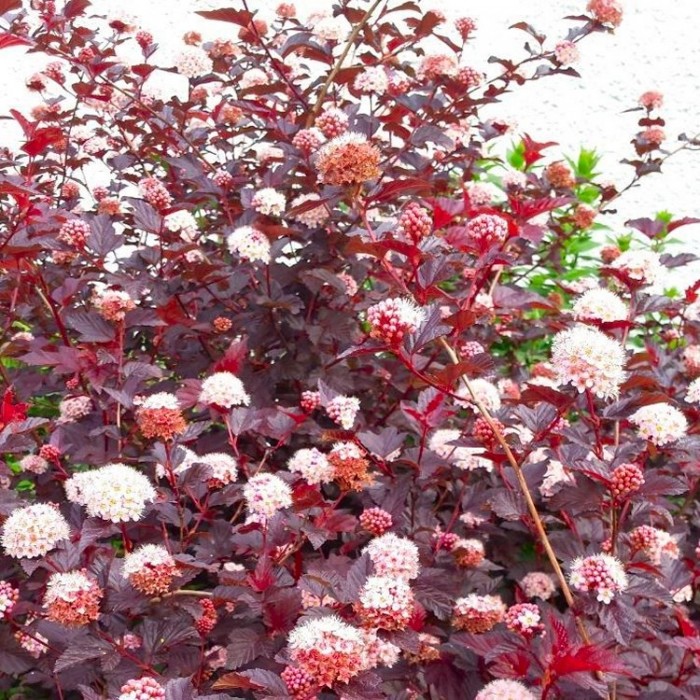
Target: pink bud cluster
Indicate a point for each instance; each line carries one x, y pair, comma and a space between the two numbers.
376, 520
524, 619
478, 613
9, 595
392, 319
145, 688
625, 480
601, 574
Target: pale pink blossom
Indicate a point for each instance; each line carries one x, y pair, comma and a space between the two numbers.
660, 423
269, 201
250, 243
265, 495
33, 531
343, 410
589, 360
599, 305
193, 62
312, 464
223, 389
394, 556
505, 690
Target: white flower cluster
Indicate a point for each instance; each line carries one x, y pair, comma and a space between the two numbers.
312, 464
250, 244
660, 423
34, 531
588, 359
223, 389
115, 492
265, 495
599, 305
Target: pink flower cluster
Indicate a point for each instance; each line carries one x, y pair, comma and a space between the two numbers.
72, 599
601, 574
150, 569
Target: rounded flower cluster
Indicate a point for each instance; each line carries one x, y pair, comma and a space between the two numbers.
468, 553
693, 393
641, 266
392, 319
193, 62
487, 231
343, 410
112, 304
332, 122
524, 619
35, 464
222, 467
462, 457
373, 79
250, 243
651, 99
159, 416
311, 217
155, 192
223, 390
145, 688
72, 599
435, 66
34, 531
74, 408
310, 400
74, 233
484, 391
312, 464
624, 480
478, 613
415, 222
385, 602
691, 360
606, 11
350, 467
308, 140
537, 584
348, 159
654, 543
599, 305
182, 222
150, 569
269, 201
328, 650
207, 618
465, 26
653, 135
566, 53
376, 520
559, 175
265, 495
601, 574
589, 360
329, 28
485, 434
33, 643
115, 492
9, 596
505, 690
300, 684
660, 423
394, 556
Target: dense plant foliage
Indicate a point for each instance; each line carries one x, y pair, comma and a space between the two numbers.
328, 391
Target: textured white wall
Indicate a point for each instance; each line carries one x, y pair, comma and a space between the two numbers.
656, 47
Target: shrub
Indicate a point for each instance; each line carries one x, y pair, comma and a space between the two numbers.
320, 395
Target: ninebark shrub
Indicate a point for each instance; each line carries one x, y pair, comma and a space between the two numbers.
330, 390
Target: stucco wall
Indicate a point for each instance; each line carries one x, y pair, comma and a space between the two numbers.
656, 47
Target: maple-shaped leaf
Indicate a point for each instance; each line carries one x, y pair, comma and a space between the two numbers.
11, 412
533, 149
588, 658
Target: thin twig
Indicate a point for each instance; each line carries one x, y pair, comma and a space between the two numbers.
339, 63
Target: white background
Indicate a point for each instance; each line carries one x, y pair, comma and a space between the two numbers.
656, 47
